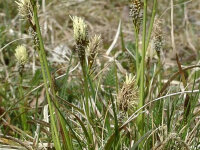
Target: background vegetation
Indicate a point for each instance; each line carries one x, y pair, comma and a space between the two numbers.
140, 92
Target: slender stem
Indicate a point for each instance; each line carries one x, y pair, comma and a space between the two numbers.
151, 23
45, 70
141, 102
172, 27
23, 103
147, 41
137, 52
86, 90
159, 74
41, 45
116, 81
53, 124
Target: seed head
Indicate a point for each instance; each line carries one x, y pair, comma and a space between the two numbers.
80, 30
26, 10
24, 7
92, 49
128, 95
136, 13
157, 36
21, 54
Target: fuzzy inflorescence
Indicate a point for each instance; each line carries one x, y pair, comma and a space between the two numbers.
92, 49
157, 36
80, 30
24, 7
128, 95
81, 37
21, 54
135, 13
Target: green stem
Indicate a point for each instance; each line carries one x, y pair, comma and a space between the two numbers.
51, 109
45, 71
137, 52
86, 90
151, 24
141, 101
23, 103
159, 74
148, 37
42, 50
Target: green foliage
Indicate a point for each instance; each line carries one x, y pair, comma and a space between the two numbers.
110, 78
83, 108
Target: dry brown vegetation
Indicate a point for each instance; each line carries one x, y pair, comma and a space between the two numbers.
171, 78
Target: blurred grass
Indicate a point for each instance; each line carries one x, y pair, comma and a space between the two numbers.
101, 126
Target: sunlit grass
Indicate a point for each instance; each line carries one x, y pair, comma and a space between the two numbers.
95, 94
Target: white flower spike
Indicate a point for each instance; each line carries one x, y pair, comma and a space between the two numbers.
24, 7
21, 54
80, 29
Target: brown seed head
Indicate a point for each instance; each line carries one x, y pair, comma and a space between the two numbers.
128, 95
92, 49
136, 13
157, 36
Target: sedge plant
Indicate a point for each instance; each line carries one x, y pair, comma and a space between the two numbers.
22, 58
137, 16
96, 106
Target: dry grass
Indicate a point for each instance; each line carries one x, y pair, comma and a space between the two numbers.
102, 18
